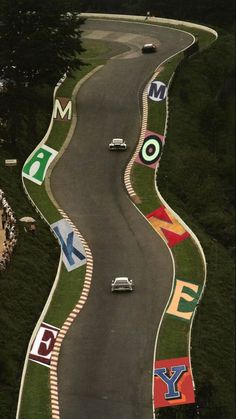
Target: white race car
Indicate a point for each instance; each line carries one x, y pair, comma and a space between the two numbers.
122, 284
117, 144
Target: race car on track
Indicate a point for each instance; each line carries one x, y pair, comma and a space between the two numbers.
117, 144
121, 284
149, 48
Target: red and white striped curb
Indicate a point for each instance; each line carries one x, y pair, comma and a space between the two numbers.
55, 409
127, 175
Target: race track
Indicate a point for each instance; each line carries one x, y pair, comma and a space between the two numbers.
105, 365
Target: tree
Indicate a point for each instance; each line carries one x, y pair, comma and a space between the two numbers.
210, 12
40, 41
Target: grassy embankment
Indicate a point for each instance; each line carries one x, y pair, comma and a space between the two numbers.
27, 282
174, 333
199, 165
70, 283
196, 179
203, 320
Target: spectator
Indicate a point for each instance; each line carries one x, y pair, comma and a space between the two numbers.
32, 228
7, 231
9, 225
11, 234
147, 15
2, 266
4, 219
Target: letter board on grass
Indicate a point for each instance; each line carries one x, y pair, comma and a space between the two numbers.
173, 383
151, 150
157, 91
72, 247
43, 344
36, 167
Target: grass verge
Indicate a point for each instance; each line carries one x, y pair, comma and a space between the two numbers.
25, 286
36, 394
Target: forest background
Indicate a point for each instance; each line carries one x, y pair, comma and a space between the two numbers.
202, 97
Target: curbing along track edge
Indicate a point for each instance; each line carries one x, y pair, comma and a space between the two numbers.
58, 270
192, 235
135, 199
89, 267
89, 264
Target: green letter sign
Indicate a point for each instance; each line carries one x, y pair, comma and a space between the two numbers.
35, 168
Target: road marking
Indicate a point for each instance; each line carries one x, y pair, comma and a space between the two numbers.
68, 322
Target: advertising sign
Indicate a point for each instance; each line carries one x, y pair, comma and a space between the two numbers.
151, 150
184, 300
73, 250
173, 383
62, 110
35, 169
167, 226
157, 91
43, 344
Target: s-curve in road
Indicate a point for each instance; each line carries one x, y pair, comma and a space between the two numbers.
106, 360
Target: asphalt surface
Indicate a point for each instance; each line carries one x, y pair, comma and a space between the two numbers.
105, 365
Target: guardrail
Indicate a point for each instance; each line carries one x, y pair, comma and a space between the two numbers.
151, 19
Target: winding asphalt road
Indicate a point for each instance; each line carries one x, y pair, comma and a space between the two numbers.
105, 365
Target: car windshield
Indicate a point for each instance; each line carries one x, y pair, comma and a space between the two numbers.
122, 282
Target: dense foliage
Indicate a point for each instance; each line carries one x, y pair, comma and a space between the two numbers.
24, 287
197, 178
202, 98
40, 42
216, 12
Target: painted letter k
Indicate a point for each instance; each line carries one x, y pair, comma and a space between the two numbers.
68, 247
